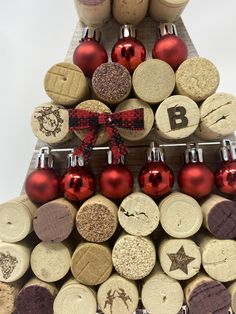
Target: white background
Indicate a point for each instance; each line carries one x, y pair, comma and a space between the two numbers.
36, 34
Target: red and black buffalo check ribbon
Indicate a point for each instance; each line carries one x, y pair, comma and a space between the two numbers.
82, 119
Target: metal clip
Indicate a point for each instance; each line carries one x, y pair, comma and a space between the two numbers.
45, 158
166, 29
110, 158
90, 32
193, 153
155, 153
127, 31
228, 150
230, 311
74, 160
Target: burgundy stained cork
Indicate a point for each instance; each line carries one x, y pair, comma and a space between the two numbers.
91, 2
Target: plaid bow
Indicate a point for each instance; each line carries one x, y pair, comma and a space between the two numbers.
82, 119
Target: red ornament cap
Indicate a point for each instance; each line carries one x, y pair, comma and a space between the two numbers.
127, 31
45, 158
90, 32
193, 154
166, 29
228, 150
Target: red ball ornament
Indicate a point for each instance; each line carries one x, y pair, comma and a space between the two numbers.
78, 183
169, 47
155, 178
128, 51
115, 181
43, 184
90, 53
225, 176
195, 178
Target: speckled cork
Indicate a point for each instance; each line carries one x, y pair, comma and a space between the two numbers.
197, 78
96, 220
118, 295
205, 295
133, 257
66, 84
94, 106
135, 103
218, 116
138, 214
179, 258
51, 261
8, 294
129, 12
50, 123
91, 263
177, 117
36, 297
54, 221
111, 83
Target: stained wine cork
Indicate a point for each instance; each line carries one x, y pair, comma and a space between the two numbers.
96, 220
232, 292
180, 258
54, 221
50, 123
135, 103
111, 83
205, 295
133, 257
51, 261
94, 106
197, 78
218, 257
218, 116
161, 294
9, 292
129, 12
16, 218
167, 10
14, 261
153, 81
75, 298
219, 216
180, 215
36, 297
91, 263
118, 295
93, 12
138, 214
177, 117
66, 84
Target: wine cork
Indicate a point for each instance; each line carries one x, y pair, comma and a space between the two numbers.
219, 216
177, 117
161, 294
75, 298
66, 84
50, 123
51, 261
9, 292
96, 220
232, 292
153, 81
218, 116
133, 257
218, 257
36, 297
118, 295
205, 295
134, 103
54, 221
111, 83
14, 261
138, 214
16, 218
93, 12
129, 12
91, 263
94, 106
180, 258
197, 78
167, 10
180, 215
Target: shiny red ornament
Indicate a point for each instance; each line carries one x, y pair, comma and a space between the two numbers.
115, 181
90, 53
170, 48
195, 178
43, 184
128, 50
78, 183
225, 176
